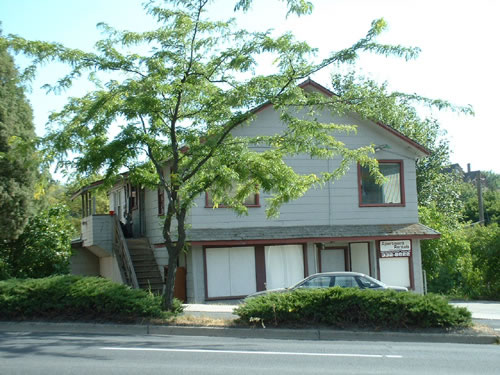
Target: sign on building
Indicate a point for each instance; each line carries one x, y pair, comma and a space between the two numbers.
395, 248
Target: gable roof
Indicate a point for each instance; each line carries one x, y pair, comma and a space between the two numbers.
311, 83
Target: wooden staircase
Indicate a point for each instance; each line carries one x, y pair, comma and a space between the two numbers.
145, 266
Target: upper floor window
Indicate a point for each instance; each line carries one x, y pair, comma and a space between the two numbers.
251, 201
390, 193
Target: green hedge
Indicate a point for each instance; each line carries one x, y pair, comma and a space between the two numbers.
348, 307
76, 298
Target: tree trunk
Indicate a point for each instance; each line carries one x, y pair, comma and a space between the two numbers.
168, 295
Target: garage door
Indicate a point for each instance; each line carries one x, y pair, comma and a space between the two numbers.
230, 271
284, 265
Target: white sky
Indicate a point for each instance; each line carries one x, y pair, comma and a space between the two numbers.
459, 62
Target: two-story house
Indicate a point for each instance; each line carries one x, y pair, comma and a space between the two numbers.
351, 224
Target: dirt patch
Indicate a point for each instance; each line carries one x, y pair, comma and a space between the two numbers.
195, 321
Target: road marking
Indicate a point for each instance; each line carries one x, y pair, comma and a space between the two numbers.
254, 352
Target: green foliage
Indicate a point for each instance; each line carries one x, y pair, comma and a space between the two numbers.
491, 199
299, 7
348, 307
18, 159
485, 248
77, 298
42, 249
448, 260
491, 204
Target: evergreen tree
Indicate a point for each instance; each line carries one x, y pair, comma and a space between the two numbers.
18, 162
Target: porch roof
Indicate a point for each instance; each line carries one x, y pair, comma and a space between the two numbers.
320, 233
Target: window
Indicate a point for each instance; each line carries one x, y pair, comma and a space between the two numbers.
133, 198
251, 201
317, 282
346, 282
390, 193
161, 201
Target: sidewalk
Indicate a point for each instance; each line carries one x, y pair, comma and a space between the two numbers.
481, 309
224, 312
191, 307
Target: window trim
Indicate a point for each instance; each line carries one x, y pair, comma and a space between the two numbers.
256, 200
161, 202
401, 186
134, 200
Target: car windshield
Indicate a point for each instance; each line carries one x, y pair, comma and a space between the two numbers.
375, 281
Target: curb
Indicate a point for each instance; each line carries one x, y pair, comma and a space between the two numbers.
267, 333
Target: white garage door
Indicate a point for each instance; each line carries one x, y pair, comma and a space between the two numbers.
230, 271
395, 271
284, 265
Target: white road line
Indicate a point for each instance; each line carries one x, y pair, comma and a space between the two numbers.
255, 352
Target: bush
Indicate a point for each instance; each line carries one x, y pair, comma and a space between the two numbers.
76, 298
485, 248
43, 249
345, 307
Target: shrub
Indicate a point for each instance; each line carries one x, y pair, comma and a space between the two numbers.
43, 248
344, 307
485, 248
76, 297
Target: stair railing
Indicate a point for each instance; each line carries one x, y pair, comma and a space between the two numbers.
121, 251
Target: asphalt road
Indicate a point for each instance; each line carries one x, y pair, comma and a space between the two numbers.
38, 353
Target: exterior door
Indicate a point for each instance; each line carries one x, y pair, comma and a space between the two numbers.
332, 259
360, 257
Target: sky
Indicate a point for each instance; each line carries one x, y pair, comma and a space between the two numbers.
459, 62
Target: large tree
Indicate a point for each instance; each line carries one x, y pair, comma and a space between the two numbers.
178, 105
18, 161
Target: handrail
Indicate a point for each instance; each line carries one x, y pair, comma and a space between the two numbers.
121, 250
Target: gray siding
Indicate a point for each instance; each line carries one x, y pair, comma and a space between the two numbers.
97, 234
336, 203
417, 266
